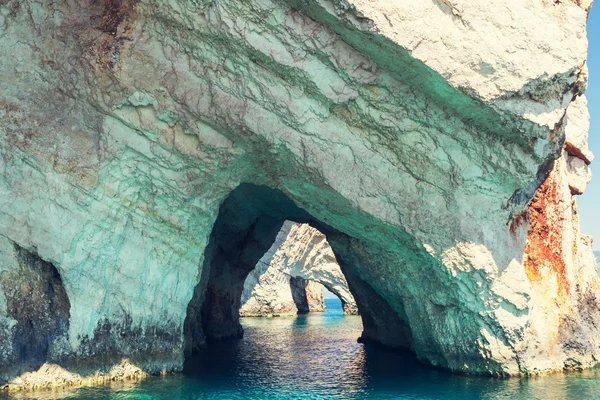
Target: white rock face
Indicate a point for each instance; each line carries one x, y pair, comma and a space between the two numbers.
484, 48
576, 129
150, 151
299, 251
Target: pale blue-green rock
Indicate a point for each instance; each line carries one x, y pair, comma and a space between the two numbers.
150, 151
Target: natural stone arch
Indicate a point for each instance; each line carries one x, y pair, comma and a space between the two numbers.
248, 223
120, 145
306, 295
299, 252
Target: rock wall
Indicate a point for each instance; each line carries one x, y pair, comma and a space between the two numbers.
299, 251
437, 144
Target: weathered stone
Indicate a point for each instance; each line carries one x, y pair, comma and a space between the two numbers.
579, 175
576, 130
308, 296
36, 311
299, 251
54, 376
151, 150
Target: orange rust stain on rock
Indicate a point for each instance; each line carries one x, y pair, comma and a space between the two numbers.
115, 13
557, 2
578, 3
116, 21
544, 249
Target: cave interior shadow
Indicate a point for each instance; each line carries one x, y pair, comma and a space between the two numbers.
246, 227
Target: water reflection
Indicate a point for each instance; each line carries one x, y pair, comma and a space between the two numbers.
317, 357
288, 356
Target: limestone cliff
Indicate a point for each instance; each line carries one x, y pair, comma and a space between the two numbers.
299, 251
150, 151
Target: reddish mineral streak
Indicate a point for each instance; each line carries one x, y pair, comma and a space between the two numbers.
576, 152
115, 13
518, 221
557, 2
116, 21
544, 247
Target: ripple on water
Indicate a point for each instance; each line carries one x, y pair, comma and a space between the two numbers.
316, 357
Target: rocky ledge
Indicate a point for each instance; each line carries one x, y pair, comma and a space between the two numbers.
151, 150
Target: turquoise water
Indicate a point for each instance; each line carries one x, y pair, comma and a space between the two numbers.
316, 357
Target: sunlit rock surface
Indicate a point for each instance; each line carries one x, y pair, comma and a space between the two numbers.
438, 145
299, 251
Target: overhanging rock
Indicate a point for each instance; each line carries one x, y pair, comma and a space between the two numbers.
437, 144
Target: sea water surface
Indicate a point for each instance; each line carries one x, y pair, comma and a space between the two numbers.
316, 356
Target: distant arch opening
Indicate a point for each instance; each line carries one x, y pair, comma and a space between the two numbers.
290, 277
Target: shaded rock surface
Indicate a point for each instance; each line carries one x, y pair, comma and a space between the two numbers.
299, 252
37, 311
307, 295
151, 150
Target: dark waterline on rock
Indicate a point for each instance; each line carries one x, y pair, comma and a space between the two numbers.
316, 356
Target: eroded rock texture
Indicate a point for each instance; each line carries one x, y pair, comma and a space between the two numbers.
307, 296
151, 150
300, 254
36, 316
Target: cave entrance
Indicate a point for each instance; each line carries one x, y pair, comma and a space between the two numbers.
37, 302
247, 226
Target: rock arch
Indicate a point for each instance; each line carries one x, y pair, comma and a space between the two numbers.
446, 189
307, 296
299, 251
248, 223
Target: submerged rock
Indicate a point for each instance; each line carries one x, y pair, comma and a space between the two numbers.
300, 256
151, 150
